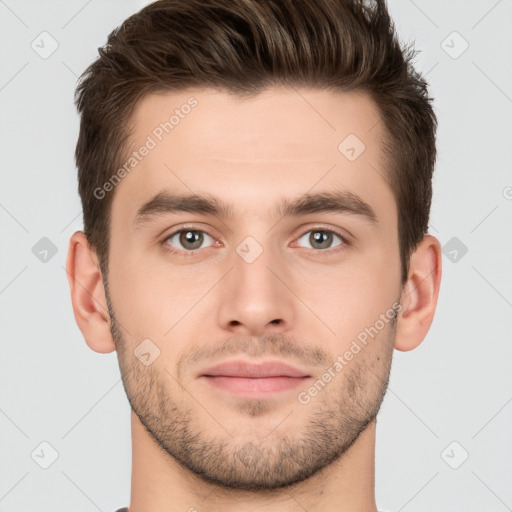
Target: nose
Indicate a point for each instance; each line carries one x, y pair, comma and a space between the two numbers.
255, 299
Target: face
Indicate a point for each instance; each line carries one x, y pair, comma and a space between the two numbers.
289, 253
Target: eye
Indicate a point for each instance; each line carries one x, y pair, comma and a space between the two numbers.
321, 239
189, 239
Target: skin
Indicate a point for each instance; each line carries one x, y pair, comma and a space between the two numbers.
195, 447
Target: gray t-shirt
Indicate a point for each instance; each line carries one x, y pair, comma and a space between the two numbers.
125, 509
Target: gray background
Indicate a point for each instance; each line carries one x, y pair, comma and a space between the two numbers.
448, 399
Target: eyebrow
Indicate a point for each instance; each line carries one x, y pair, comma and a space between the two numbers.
344, 202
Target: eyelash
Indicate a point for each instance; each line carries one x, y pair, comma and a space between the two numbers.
186, 253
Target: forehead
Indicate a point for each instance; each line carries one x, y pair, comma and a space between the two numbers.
305, 124
283, 142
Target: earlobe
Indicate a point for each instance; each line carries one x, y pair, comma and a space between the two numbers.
420, 294
88, 294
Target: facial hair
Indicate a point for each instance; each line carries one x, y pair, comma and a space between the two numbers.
339, 414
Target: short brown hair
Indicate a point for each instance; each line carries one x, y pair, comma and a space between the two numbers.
244, 47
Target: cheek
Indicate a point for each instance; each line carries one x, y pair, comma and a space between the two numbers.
159, 301
352, 296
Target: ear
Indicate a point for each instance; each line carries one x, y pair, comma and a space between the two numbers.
419, 295
88, 294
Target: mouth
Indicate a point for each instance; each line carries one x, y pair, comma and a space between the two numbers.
255, 380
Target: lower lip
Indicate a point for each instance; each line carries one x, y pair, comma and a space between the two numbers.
255, 386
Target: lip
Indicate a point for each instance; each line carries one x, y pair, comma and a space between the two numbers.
254, 380
266, 369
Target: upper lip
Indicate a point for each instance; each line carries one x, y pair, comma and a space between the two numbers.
240, 368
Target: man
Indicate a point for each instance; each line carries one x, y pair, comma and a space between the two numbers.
256, 184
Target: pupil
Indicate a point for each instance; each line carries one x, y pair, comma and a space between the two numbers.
318, 236
191, 237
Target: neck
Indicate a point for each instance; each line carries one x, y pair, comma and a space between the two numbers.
160, 484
